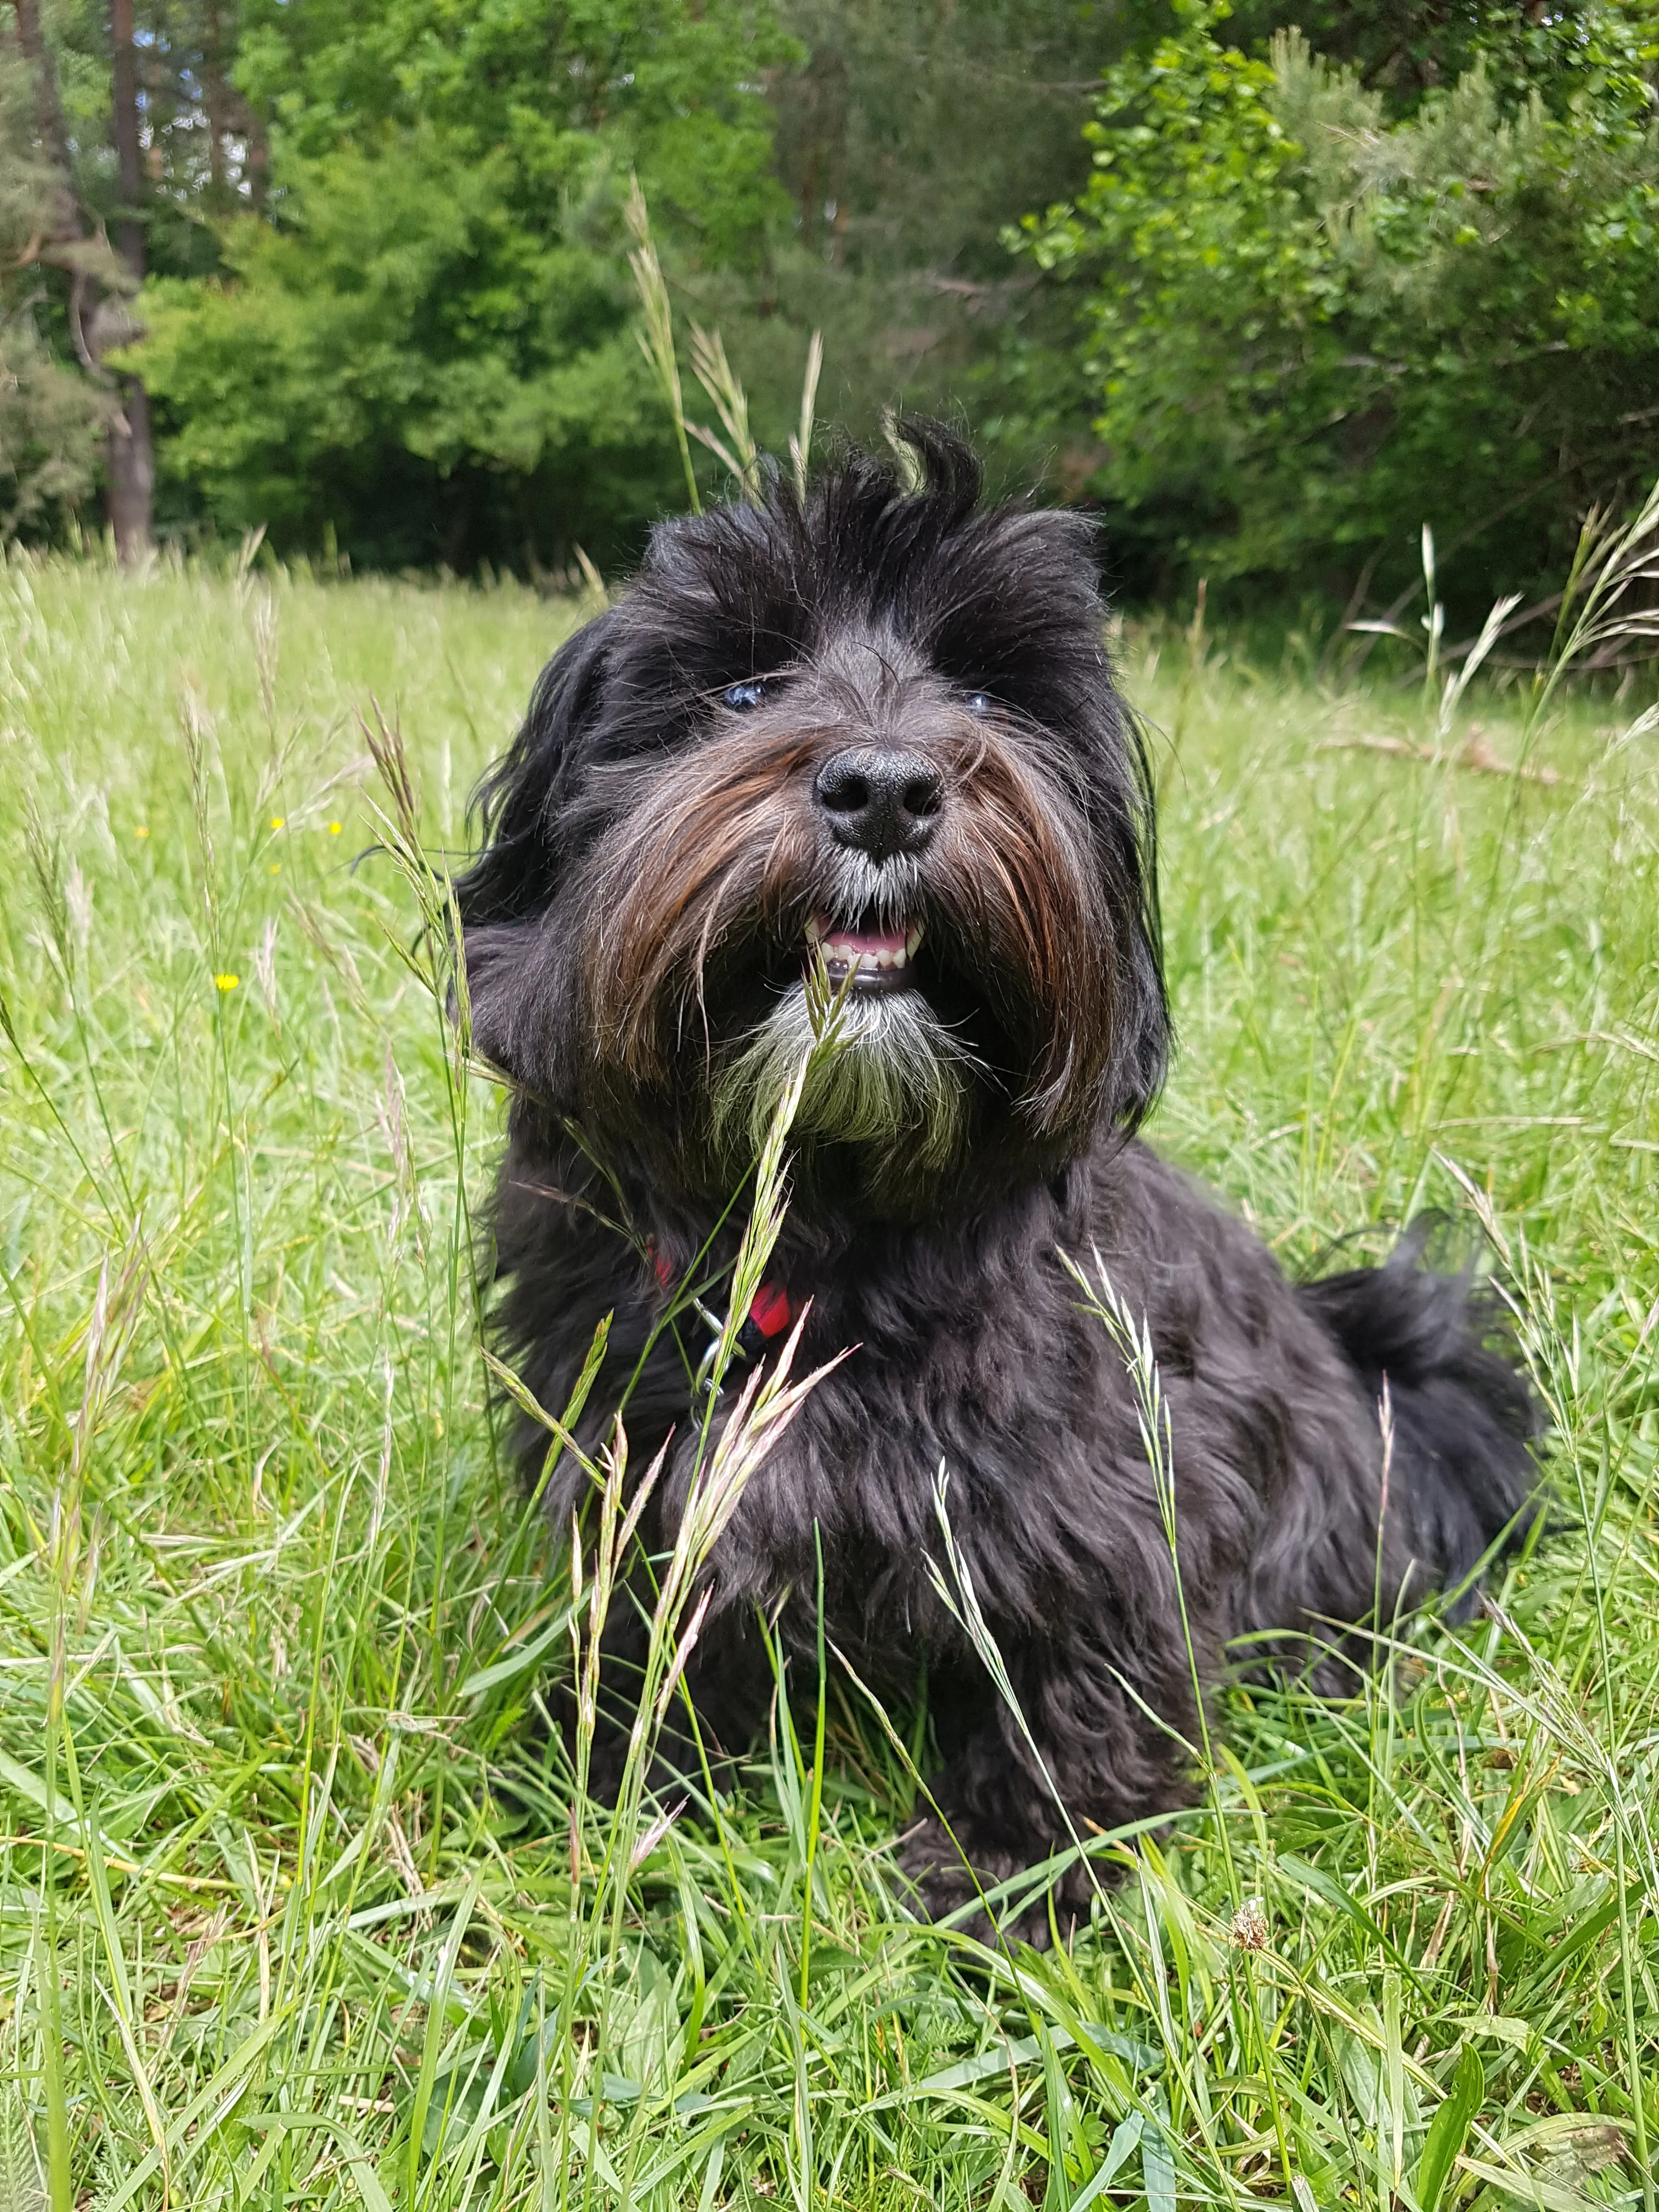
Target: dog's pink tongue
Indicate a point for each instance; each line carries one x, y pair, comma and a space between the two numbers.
846, 944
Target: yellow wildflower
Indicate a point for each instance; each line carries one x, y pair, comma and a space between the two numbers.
228, 982
277, 821
140, 831
335, 827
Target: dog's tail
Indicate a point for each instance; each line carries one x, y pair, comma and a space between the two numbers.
1463, 1469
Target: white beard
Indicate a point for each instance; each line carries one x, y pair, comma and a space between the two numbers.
892, 1075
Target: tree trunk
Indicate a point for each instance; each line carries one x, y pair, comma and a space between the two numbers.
48, 116
258, 161
131, 462
131, 473
214, 90
246, 122
71, 233
80, 251
818, 110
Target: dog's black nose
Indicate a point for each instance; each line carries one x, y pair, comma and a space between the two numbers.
880, 801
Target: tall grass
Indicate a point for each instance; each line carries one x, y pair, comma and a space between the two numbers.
299, 1902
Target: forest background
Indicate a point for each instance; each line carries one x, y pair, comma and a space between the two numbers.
1270, 286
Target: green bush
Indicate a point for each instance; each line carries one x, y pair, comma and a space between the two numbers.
430, 350
1315, 326
405, 363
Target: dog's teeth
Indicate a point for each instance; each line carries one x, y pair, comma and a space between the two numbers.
843, 953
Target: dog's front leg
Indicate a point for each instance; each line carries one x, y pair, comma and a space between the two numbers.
1084, 1740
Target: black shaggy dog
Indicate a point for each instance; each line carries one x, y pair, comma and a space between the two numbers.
878, 731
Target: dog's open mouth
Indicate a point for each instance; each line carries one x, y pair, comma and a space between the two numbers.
876, 959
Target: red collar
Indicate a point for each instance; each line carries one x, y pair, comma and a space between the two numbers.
769, 1311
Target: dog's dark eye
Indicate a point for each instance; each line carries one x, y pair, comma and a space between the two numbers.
979, 703
740, 697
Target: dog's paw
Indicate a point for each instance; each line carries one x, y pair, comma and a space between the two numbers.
938, 1870
935, 1867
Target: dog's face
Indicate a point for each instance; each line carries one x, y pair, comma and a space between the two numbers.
871, 743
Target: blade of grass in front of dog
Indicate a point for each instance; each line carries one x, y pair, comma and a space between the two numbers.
815, 1811
714, 373
957, 1593
760, 1237
767, 1404
1135, 1345
800, 443
47, 1970
432, 2042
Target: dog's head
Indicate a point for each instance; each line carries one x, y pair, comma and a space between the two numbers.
873, 735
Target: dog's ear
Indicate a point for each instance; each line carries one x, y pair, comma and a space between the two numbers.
518, 802
1140, 1057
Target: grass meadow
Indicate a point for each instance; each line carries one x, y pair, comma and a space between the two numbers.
296, 1908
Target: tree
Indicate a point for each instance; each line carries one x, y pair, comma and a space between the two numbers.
425, 345
121, 124
1312, 328
68, 234
51, 416
1404, 50
906, 138
131, 462
385, 289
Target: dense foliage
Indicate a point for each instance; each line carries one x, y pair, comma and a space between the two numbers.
430, 350
389, 304
430, 345
1317, 324
1297, 291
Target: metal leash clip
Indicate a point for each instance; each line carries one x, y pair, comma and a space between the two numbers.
704, 1389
